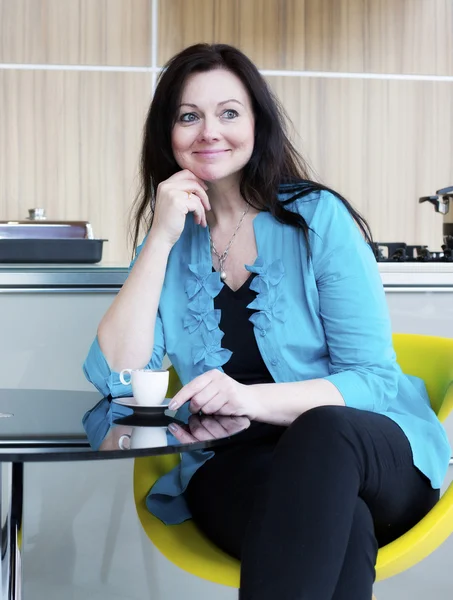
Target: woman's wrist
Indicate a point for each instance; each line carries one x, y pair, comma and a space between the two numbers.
254, 407
157, 242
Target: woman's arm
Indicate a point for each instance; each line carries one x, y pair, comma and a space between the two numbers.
131, 333
215, 392
126, 332
282, 403
96, 366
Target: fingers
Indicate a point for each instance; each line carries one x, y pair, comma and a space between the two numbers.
195, 205
196, 199
186, 193
189, 196
216, 427
210, 401
187, 181
199, 191
191, 389
197, 432
234, 424
202, 429
210, 393
212, 425
181, 434
200, 432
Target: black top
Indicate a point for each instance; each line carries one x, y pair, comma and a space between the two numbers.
246, 364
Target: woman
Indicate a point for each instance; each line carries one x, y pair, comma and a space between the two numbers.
261, 287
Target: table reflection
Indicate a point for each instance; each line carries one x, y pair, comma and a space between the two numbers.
113, 426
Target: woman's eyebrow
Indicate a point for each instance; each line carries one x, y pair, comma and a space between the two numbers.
219, 104
230, 100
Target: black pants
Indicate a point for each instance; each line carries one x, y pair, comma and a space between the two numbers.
305, 508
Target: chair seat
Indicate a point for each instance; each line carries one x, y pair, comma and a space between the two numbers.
184, 544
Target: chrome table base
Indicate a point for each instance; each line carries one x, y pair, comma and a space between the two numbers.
11, 498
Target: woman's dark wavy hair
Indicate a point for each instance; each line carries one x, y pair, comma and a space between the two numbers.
274, 159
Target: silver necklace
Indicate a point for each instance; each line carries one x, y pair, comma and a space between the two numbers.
222, 257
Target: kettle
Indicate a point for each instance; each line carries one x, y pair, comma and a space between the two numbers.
441, 203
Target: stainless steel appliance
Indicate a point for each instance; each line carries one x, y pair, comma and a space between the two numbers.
441, 202
401, 252
40, 240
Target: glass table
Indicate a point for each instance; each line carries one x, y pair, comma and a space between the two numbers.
46, 426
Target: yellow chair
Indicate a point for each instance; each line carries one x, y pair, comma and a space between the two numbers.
428, 357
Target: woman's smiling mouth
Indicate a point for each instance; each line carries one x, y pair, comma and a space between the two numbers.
210, 153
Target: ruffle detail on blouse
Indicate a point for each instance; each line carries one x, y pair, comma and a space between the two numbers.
203, 278
202, 320
200, 313
210, 351
270, 303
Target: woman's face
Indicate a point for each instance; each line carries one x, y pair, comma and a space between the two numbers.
214, 132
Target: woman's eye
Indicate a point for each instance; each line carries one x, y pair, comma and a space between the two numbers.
230, 114
188, 117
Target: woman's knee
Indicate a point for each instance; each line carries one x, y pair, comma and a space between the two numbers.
332, 418
323, 426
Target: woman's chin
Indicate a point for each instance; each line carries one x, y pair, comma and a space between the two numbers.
208, 175
212, 176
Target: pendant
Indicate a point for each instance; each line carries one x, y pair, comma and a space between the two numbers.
223, 275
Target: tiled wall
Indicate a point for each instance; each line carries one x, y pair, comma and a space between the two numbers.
368, 85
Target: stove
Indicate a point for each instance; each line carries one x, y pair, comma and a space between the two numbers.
414, 267
391, 252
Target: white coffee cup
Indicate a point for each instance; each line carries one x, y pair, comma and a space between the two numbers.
149, 387
144, 437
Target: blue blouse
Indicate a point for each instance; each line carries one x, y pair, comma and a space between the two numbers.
318, 316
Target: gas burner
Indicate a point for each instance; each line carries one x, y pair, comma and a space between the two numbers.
401, 252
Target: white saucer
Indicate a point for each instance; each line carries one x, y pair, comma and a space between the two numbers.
132, 403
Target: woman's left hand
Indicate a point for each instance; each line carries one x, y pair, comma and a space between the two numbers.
215, 392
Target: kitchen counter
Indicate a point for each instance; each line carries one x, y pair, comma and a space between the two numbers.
49, 314
105, 277
102, 277
417, 276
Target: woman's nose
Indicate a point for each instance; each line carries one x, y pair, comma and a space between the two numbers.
210, 130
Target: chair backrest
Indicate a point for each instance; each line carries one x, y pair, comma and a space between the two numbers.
431, 359
174, 385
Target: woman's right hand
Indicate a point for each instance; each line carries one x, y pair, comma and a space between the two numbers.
201, 428
178, 195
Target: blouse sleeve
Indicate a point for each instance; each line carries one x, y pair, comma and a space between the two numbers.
353, 309
98, 371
